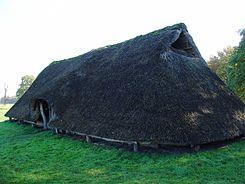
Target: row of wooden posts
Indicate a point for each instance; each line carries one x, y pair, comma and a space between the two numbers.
88, 138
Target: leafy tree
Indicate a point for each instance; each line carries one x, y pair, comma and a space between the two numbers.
236, 69
26, 82
218, 64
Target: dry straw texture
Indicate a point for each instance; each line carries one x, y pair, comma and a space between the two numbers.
155, 88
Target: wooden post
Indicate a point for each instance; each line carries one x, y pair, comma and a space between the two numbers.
156, 146
196, 148
136, 147
43, 116
88, 139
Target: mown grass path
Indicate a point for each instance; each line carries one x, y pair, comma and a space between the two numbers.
29, 155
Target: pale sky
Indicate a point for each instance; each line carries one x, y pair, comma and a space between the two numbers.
34, 33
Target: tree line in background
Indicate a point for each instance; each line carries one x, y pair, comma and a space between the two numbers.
229, 65
7, 99
26, 82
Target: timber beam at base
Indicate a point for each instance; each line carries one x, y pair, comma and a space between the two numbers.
135, 146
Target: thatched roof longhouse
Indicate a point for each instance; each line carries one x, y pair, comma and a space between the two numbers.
155, 88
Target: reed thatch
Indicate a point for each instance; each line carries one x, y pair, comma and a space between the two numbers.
155, 88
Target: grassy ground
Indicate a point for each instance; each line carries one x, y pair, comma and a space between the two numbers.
29, 155
3, 109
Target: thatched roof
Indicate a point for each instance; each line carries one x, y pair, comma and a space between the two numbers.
155, 88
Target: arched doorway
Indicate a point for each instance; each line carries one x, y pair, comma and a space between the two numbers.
42, 107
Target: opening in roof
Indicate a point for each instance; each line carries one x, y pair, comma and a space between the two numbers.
183, 46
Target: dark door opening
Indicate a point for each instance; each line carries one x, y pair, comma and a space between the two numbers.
43, 112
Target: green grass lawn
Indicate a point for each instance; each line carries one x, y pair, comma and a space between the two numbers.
29, 155
3, 109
